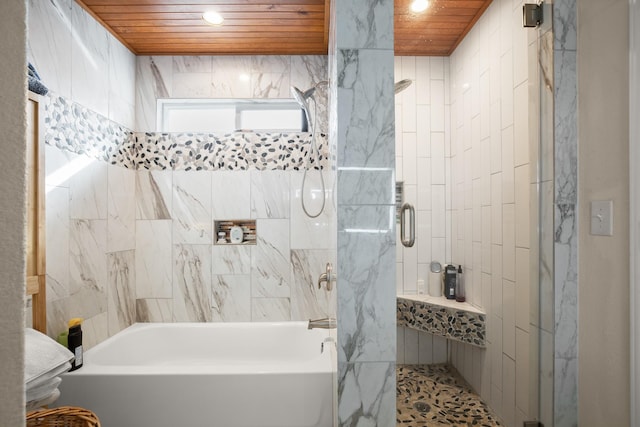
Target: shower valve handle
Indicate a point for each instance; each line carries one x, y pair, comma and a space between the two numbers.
327, 278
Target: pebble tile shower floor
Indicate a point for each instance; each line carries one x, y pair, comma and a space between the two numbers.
435, 396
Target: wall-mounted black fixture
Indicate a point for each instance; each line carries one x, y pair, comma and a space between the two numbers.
531, 15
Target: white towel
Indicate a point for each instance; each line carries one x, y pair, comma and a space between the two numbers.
42, 391
42, 354
47, 376
48, 400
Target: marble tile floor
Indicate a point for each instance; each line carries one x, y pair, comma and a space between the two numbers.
435, 396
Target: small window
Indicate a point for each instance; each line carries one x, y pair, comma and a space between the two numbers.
228, 115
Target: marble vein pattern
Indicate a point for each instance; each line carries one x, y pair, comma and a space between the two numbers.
364, 24
366, 394
86, 303
154, 194
367, 302
365, 121
270, 263
121, 220
87, 253
270, 194
154, 79
231, 298
154, 310
565, 369
192, 222
257, 76
121, 291
192, 283
307, 301
231, 260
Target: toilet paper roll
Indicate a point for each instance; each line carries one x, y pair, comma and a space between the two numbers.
435, 284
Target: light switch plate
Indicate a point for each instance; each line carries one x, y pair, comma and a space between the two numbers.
602, 217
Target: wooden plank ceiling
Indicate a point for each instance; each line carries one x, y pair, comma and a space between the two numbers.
270, 27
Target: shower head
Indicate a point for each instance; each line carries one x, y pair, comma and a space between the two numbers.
301, 98
401, 85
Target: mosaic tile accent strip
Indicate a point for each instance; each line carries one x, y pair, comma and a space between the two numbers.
459, 325
435, 396
72, 127
234, 151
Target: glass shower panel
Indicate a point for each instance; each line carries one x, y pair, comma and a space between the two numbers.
543, 294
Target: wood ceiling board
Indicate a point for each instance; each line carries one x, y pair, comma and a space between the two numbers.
271, 26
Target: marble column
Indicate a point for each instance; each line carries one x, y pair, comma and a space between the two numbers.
362, 127
565, 369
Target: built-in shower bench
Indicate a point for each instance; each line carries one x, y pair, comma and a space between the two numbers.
454, 320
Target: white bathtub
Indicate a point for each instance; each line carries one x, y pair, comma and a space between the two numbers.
208, 374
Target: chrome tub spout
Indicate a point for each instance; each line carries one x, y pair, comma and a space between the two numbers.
325, 323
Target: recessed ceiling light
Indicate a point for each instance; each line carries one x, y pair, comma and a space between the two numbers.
419, 5
212, 17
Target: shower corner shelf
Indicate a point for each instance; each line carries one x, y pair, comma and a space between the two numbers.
440, 316
223, 228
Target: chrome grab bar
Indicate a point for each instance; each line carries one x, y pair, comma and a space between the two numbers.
412, 225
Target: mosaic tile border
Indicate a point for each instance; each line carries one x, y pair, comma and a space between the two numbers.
459, 325
71, 127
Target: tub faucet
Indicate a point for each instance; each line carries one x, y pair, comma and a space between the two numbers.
325, 323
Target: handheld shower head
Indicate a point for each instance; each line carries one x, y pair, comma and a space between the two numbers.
401, 85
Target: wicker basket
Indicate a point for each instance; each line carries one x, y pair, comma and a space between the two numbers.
64, 416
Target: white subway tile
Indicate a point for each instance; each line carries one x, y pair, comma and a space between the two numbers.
506, 89
523, 351
522, 289
521, 125
496, 280
423, 77
411, 352
437, 102
508, 242
522, 206
507, 166
409, 158
423, 131
508, 391
425, 348
509, 318
437, 67
437, 158
439, 349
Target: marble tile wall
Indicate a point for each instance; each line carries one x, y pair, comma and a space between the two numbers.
225, 77
80, 60
127, 245
182, 276
361, 64
565, 221
91, 254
